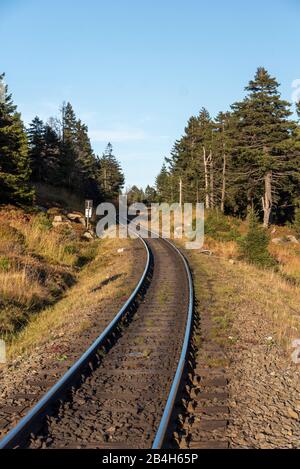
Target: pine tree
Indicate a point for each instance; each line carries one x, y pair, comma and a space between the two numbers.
14, 159
36, 141
264, 139
68, 146
135, 194
150, 195
254, 245
163, 185
52, 155
85, 162
109, 174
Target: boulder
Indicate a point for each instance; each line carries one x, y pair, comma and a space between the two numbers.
88, 235
76, 217
285, 239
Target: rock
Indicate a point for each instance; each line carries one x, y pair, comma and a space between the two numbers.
206, 251
111, 430
119, 251
292, 414
58, 219
231, 261
61, 223
296, 343
260, 436
285, 239
296, 356
88, 235
76, 217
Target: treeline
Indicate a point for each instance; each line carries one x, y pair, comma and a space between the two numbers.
57, 152
138, 194
245, 158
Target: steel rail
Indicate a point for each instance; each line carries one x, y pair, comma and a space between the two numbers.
22, 429
165, 419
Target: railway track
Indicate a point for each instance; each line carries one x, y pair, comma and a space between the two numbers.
121, 392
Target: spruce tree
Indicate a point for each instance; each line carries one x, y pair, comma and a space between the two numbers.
85, 161
150, 194
14, 159
52, 155
36, 141
68, 146
263, 132
109, 174
162, 185
254, 245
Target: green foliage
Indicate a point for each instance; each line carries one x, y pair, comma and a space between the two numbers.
42, 222
233, 161
14, 159
5, 263
150, 195
296, 224
109, 174
71, 249
88, 253
61, 155
164, 185
218, 227
254, 245
134, 194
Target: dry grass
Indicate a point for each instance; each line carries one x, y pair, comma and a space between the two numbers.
272, 295
228, 249
93, 290
288, 255
37, 264
18, 285
255, 290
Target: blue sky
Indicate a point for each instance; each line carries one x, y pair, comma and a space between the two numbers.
135, 71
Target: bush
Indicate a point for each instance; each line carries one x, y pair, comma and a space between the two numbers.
4, 264
218, 227
42, 222
296, 224
71, 249
10, 234
254, 245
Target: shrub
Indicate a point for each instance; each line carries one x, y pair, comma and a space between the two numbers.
10, 234
4, 264
42, 222
218, 227
254, 245
296, 224
71, 249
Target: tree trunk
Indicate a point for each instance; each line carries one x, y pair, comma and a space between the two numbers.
206, 178
267, 199
223, 184
180, 192
212, 186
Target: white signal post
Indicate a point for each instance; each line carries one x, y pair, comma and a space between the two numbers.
88, 212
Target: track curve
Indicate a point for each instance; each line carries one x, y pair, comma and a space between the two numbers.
126, 398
